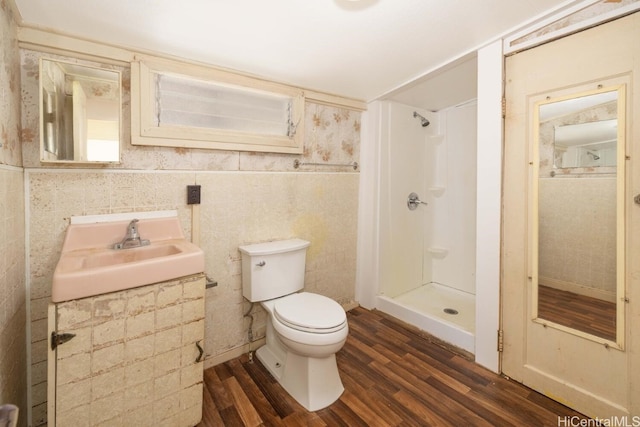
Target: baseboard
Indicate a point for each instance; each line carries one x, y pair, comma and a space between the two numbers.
243, 349
578, 289
233, 353
350, 305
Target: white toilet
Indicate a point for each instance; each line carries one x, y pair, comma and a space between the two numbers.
304, 330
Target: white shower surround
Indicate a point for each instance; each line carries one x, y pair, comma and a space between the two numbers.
488, 208
428, 254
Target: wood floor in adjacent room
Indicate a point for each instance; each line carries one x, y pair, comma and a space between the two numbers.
392, 377
590, 315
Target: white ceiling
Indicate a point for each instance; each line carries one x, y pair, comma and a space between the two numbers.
359, 49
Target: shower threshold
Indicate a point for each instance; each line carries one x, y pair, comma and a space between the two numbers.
424, 307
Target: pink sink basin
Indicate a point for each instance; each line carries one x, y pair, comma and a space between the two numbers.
111, 258
89, 266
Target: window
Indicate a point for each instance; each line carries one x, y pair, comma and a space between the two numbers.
179, 105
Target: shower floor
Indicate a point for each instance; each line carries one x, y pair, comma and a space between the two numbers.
424, 308
433, 298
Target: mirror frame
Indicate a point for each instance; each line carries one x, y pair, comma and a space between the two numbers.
620, 208
45, 145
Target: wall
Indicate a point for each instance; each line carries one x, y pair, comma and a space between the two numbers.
246, 197
453, 202
577, 246
436, 242
406, 158
13, 367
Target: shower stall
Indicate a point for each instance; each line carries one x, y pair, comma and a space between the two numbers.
428, 219
430, 204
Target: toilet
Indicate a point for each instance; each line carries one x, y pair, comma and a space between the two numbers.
304, 330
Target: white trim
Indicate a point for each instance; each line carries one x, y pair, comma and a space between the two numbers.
11, 168
42, 40
578, 26
126, 216
368, 244
146, 131
27, 290
39, 39
194, 172
489, 205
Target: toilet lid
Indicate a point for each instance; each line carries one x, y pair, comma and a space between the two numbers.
310, 312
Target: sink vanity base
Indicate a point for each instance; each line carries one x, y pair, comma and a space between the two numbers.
134, 359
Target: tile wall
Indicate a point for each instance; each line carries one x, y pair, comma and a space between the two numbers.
13, 352
13, 365
246, 198
578, 233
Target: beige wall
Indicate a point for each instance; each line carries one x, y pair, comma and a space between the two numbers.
577, 210
246, 198
10, 153
578, 234
13, 366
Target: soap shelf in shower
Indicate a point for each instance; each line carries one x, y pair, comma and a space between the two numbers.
437, 190
437, 251
436, 139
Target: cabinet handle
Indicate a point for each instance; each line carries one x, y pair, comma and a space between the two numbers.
201, 350
57, 339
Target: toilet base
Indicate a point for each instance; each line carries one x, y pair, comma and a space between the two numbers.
314, 382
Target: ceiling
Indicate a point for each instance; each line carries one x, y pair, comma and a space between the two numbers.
361, 49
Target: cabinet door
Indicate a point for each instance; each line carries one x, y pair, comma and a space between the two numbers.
133, 359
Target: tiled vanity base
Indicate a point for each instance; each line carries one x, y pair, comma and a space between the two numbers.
133, 359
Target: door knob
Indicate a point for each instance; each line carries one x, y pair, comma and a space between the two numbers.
413, 201
637, 199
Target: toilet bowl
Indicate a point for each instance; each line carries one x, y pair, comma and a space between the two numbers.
304, 362
309, 324
304, 330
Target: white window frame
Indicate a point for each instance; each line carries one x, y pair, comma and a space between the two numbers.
145, 130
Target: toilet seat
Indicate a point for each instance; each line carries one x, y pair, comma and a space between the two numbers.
311, 313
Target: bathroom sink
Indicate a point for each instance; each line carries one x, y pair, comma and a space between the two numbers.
90, 266
111, 257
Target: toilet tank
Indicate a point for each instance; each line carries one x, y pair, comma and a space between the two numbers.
273, 269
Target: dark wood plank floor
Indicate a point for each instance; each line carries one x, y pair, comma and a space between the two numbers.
580, 312
393, 376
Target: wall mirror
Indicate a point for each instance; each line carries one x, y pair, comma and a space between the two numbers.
80, 113
578, 236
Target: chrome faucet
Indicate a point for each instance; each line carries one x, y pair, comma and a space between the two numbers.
132, 239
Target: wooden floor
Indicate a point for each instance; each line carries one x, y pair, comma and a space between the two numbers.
392, 377
580, 312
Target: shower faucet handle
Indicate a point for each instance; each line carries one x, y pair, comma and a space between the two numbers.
413, 201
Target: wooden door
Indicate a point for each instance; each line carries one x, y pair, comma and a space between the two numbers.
591, 372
